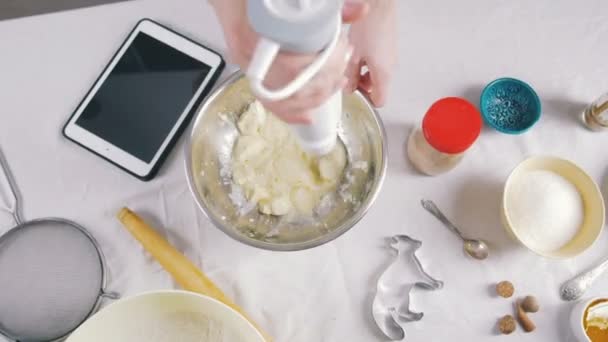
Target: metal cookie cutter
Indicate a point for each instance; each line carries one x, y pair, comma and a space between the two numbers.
391, 306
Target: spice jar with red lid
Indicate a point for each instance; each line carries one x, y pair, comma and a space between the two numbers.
448, 129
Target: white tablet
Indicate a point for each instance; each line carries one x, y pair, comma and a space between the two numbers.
144, 98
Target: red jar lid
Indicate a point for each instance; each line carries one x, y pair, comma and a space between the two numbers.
452, 125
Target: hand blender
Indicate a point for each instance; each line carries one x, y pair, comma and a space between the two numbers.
298, 26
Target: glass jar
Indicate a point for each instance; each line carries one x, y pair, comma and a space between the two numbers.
448, 129
596, 115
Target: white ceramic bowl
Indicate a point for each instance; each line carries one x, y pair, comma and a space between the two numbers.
152, 316
593, 202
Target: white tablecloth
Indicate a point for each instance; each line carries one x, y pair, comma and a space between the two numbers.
446, 48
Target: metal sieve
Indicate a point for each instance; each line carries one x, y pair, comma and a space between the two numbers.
51, 270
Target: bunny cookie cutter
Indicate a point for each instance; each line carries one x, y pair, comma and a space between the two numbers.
391, 305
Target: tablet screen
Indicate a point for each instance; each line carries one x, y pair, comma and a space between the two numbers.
142, 98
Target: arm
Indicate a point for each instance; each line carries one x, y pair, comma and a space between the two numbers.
241, 41
375, 41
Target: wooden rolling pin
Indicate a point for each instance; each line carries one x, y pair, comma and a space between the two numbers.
185, 273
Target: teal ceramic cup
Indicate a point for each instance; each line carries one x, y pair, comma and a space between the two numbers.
510, 106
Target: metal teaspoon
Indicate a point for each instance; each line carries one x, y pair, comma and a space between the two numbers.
574, 288
477, 249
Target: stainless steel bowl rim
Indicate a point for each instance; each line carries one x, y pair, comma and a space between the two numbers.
233, 233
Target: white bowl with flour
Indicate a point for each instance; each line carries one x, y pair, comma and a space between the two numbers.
552, 207
167, 315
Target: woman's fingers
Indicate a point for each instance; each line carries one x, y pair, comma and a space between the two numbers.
380, 78
374, 83
353, 74
320, 98
354, 10
242, 41
365, 83
298, 118
330, 79
300, 112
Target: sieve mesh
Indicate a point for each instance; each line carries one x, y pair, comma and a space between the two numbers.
51, 276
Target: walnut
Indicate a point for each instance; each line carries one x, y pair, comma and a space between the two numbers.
505, 289
530, 304
507, 324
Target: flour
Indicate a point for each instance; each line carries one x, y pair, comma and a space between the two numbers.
545, 210
180, 327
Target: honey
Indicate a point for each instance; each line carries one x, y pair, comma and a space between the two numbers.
595, 320
596, 115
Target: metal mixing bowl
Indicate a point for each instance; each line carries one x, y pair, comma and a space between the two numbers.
208, 167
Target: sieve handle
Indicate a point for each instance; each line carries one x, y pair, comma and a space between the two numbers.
110, 295
185, 273
8, 183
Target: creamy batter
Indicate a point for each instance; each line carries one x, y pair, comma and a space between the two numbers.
275, 172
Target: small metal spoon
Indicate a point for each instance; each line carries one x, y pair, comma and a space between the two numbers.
574, 288
477, 249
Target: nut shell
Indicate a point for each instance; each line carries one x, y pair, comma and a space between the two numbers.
505, 289
507, 325
530, 304
524, 320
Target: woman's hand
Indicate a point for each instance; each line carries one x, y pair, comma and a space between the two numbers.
375, 51
242, 40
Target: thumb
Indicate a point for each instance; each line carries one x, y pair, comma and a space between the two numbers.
354, 10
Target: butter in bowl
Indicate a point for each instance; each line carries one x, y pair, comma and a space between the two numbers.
552, 207
589, 320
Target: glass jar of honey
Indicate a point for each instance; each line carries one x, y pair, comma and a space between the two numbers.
595, 115
595, 320
448, 129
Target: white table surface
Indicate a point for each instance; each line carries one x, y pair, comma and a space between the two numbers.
446, 48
